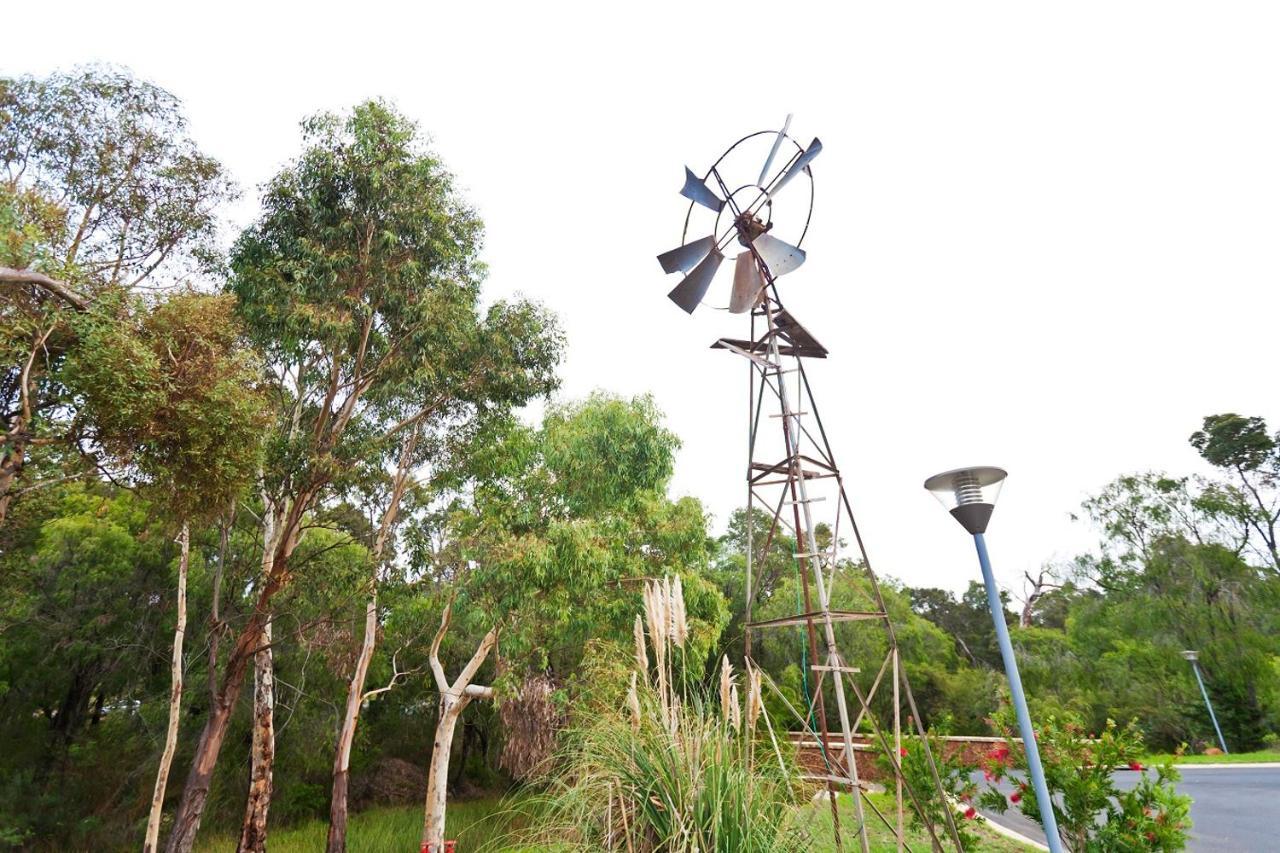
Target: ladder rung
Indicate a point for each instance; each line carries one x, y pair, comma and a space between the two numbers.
819, 616
818, 667
830, 554
803, 501
835, 780
789, 415
808, 475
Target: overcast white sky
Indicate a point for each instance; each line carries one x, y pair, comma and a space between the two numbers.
1045, 234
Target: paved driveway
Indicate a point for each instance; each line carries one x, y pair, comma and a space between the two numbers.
1232, 808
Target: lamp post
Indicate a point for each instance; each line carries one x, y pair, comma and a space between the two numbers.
1194, 657
970, 495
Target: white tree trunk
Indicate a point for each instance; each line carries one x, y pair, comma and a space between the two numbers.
253, 830
253, 834
337, 842
347, 732
453, 699
438, 776
152, 842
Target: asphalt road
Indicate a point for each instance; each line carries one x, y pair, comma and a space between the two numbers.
1232, 809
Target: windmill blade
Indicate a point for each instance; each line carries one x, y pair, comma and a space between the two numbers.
685, 257
773, 152
814, 149
695, 189
778, 255
689, 292
747, 284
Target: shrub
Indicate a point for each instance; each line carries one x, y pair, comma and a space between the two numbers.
1093, 815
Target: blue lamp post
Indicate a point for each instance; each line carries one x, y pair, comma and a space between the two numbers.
970, 495
1194, 657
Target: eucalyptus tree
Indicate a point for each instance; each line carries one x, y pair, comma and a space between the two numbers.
1242, 447
360, 283
169, 395
101, 190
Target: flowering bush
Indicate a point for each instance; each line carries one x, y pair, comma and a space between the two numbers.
955, 773
1094, 816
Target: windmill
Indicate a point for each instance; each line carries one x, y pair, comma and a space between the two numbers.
732, 204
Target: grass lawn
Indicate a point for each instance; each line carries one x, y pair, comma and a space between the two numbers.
1265, 756
476, 824
480, 825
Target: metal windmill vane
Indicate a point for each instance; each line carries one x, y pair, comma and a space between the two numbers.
731, 203
765, 257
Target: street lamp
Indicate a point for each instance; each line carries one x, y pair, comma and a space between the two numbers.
970, 495
1194, 657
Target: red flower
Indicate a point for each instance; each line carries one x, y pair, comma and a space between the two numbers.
1015, 797
988, 775
1151, 836
902, 750
970, 813
1135, 765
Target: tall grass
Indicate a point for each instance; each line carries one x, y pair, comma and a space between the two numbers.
697, 787
676, 768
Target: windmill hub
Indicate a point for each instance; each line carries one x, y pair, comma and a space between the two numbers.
750, 227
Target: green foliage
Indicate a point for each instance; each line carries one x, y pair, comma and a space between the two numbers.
1244, 447
102, 188
134, 191
967, 619
84, 622
1232, 441
549, 553
1092, 813
606, 451
169, 393
359, 283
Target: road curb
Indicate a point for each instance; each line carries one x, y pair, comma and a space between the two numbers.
1268, 765
1013, 834
1000, 829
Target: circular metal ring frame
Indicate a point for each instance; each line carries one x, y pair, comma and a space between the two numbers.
684, 236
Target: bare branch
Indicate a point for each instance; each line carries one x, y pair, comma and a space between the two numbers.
477, 660
442, 681
478, 691
396, 675
60, 289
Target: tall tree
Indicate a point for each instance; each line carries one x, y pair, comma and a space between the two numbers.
360, 284
169, 395
101, 190
356, 696
1243, 447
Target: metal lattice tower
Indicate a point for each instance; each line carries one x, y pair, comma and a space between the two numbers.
797, 483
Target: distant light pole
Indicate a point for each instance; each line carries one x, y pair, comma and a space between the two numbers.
970, 495
1194, 657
